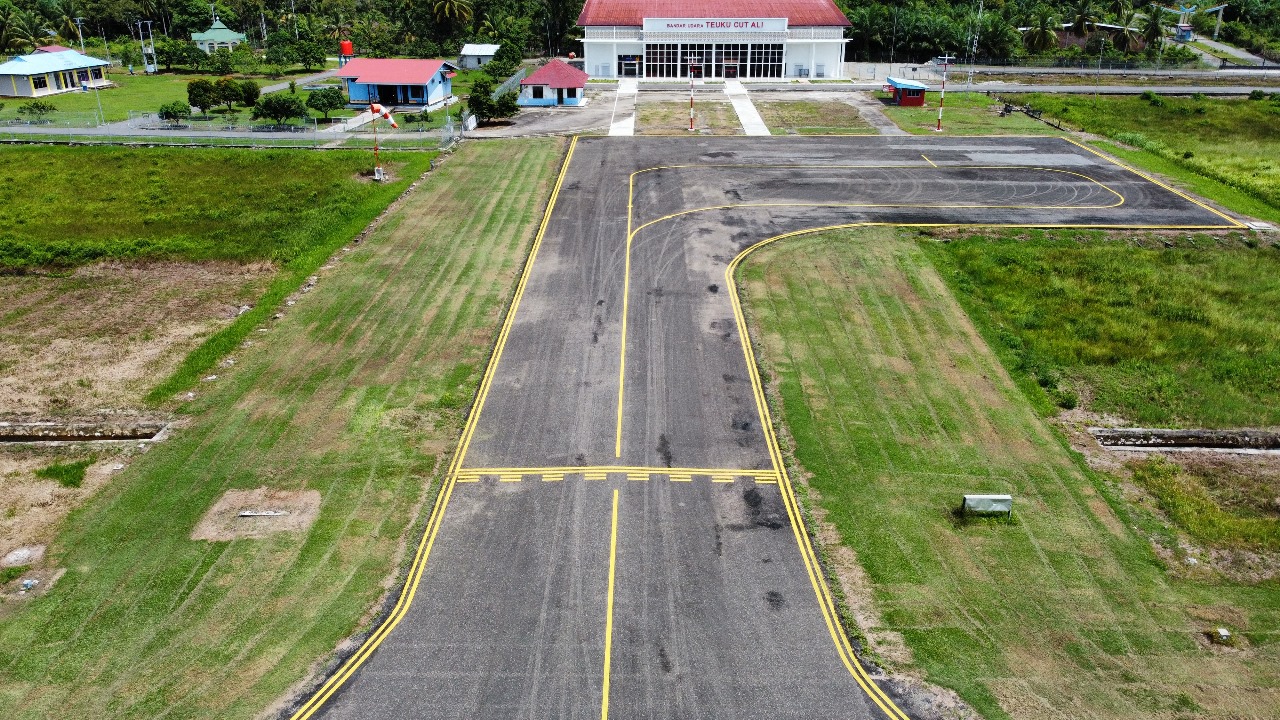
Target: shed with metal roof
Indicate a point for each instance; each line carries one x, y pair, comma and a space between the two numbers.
396, 82
474, 55
217, 36
905, 92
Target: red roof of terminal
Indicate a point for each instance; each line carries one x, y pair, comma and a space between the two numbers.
633, 12
52, 48
557, 74
391, 71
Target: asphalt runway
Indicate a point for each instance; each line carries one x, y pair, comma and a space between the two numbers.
617, 537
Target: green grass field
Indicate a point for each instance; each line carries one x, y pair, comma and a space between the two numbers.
96, 203
138, 93
357, 393
1231, 141
1163, 336
895, 407
963, 113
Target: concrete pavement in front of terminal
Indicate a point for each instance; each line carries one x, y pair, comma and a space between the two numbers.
617, 536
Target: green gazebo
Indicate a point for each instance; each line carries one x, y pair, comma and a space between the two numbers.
217, 36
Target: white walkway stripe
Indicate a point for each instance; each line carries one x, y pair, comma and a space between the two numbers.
752, 123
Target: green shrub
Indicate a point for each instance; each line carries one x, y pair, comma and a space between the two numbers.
67, 474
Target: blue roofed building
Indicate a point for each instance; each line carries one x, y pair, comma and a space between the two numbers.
396, 82
49, 73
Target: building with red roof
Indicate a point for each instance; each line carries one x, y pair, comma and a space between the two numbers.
556, 83
746, 39
397, 82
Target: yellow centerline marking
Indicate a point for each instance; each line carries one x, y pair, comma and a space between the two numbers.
926, 159
608, 615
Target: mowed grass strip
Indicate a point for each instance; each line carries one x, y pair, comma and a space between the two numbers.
359, 393
808, 117
896, 407
1160, 331
711, 117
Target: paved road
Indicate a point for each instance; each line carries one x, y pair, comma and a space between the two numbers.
646, 553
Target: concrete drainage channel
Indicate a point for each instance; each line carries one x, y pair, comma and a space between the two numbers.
116, 430
1235, 441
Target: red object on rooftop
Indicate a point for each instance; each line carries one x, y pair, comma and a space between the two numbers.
557, 74
633, 12
346, 48
391, 71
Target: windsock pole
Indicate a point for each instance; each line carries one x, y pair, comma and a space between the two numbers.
943, 97
690, 98
378, 111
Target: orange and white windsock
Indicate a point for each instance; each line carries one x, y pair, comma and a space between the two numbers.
378, 110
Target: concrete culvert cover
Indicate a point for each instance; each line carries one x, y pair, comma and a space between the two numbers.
224, 522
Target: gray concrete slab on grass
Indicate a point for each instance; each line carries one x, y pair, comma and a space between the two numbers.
714, 612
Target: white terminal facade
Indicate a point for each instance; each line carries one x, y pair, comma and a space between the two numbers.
713, 39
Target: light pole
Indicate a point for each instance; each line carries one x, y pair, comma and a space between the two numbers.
96, 96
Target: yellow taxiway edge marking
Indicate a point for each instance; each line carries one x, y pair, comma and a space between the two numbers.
552, 477
469, 479
638, 476
608, 615
1149, 178
926, 159
594, 476
410, 589
491, 370
680, 478
510, 478
721, 478
766, 482
816, 578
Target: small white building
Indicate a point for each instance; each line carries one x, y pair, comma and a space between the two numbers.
49, 73
474, 55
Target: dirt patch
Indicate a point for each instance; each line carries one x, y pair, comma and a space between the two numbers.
102, 336
32, 508
224, 522
32, 583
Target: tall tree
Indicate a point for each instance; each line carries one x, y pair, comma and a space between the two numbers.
1042, 35
1127, 37
1084, 16
1152, 26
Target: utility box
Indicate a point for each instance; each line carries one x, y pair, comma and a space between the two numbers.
988, 504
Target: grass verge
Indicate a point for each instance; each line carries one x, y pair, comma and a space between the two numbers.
1187, 503
806, 117
358, 393
711, 117
963, 113
1161, 331
1230, 141
897, 407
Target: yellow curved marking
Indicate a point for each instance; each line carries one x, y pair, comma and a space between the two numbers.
816, 577
1234, 223
442, 500
632, 231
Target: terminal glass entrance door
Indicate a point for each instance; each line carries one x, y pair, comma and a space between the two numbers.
731, 61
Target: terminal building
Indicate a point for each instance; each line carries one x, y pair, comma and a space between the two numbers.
720, 39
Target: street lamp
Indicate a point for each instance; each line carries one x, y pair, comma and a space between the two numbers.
102, 119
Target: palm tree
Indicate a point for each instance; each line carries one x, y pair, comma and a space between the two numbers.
1043, 33
452, 11
1120, 8
1084, 16
1152, 27
1126, 37
23, 31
